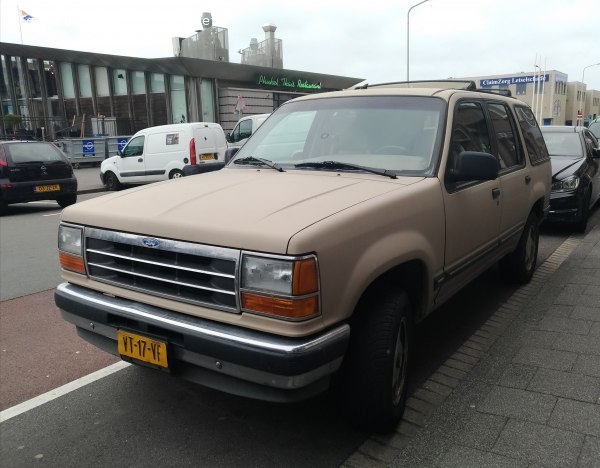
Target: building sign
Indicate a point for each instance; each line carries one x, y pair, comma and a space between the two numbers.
285, 82
512, 80
206, 20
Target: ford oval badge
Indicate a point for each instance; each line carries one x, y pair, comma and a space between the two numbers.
150, 242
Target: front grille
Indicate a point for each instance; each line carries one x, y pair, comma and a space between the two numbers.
182, 271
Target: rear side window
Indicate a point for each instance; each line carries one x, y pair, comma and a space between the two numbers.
503, 125
534, 141
33, 152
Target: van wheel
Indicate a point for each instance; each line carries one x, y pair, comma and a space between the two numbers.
373, 381
111, 181
175, 174
67, 200
519, 266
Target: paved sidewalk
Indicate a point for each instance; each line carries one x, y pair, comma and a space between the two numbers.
524, 390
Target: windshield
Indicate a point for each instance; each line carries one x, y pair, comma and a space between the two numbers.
393, 133
563, 144
595, 129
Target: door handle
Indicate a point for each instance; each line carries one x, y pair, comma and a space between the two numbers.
495, 193
141, 160
527, 179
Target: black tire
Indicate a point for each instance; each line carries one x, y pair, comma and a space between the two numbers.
111, 181
67, 200
176, 174
581, 225
519, 266
3, 207
372, 384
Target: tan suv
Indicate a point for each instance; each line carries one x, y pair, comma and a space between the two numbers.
305, 263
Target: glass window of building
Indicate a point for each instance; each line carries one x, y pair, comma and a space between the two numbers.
4, 86
521, 89
102, 88
85, 82
17, 76
178, 107
34, 78
157, 83
66, 73
208, 101
50, 78
138, 82
120, 81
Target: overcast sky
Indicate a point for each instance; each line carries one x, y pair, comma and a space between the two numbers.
361, 39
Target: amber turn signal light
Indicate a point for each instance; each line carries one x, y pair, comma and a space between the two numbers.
305, 277
280, 307
71, 262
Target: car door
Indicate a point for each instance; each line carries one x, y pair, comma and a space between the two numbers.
514, 174
591, 142
473, 209
131, 165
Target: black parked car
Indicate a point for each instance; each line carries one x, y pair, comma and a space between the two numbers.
575, 156
35, 170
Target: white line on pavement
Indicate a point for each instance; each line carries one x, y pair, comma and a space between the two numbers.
60, 391
53, 214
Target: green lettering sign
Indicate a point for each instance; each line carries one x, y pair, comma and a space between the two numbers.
287, 83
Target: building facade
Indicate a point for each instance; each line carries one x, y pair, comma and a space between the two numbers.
66, 93
554, 99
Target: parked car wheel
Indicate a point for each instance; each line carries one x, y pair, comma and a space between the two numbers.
175, 174
67, 200
519, 266
111, 181
373, 383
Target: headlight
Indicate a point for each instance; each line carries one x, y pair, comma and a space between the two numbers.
283, 287
70, 248
568, 183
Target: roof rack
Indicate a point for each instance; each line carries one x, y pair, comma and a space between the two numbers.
501, 92
468, 85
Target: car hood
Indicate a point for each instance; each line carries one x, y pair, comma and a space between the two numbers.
564, 166
238, 208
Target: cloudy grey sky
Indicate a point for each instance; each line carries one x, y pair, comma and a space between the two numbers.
361, 39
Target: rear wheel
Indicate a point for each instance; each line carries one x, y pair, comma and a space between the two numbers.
175, 174
111, 181
519, 266
373, 381
67, 200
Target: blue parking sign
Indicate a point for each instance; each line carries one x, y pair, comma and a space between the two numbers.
121, 142
88, 147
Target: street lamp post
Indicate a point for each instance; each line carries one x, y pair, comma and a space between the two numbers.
408, 37
581, 101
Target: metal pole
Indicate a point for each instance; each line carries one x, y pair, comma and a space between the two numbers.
408, 38
581, 100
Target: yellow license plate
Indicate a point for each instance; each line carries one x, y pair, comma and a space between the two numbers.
142, 348
47, 188
205, 157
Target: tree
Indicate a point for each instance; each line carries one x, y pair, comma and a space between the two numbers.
12, 121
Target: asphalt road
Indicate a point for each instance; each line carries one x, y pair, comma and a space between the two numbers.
137, 417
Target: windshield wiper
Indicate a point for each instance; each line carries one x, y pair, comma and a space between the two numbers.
342, 165
251, 160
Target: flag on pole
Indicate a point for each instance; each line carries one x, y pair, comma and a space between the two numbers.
25, 17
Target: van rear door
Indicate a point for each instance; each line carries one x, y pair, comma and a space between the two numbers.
206, 144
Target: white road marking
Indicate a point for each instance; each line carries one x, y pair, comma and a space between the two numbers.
60, 391
53, 214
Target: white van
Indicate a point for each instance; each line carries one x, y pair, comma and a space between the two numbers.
245, 127
160, 153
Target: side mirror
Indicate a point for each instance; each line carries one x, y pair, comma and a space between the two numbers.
596, 153
228, 137
120, 154
472, 165
230, 153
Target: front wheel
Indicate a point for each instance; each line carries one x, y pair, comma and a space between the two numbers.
519, 266
581, 225
373, 381
111, 181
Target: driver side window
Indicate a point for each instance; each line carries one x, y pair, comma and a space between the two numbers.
135, 147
